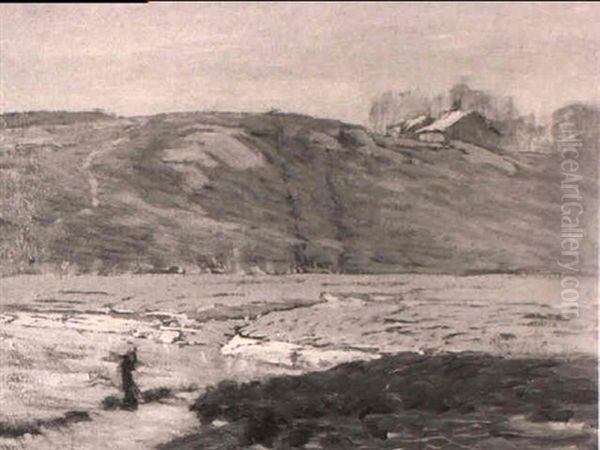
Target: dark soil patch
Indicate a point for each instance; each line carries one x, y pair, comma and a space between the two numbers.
148, 396
554, 317
406, 401
250, 311
76, 292
156, 394
34, 427
14, 430
56, 300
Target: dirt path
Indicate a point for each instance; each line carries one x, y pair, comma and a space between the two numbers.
87, 166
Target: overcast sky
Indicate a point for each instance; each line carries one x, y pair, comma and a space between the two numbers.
323, 59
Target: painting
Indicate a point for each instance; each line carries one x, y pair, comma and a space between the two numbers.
324, 225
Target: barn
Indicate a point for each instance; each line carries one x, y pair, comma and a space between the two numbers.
466, 126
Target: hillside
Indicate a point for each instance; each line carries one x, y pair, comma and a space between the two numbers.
274, 193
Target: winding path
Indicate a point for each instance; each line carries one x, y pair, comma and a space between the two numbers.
87, 166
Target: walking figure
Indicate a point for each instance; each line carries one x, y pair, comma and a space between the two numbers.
132, 392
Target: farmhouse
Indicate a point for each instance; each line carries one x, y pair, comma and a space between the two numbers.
466, 126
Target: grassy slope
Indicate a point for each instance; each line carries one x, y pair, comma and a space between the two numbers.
281, 193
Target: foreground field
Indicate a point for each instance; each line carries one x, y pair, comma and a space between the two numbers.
61, 339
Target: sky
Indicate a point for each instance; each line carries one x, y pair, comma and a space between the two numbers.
323, 59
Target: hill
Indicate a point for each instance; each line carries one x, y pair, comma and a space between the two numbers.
274, 193
32, 118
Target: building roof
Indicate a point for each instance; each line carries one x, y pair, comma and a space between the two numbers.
445, 121
410, 124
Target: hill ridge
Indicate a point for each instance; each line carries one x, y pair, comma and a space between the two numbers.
271, 193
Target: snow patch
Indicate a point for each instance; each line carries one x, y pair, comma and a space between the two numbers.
210, 148
286, 354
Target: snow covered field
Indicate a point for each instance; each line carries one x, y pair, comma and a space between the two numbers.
61, 338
